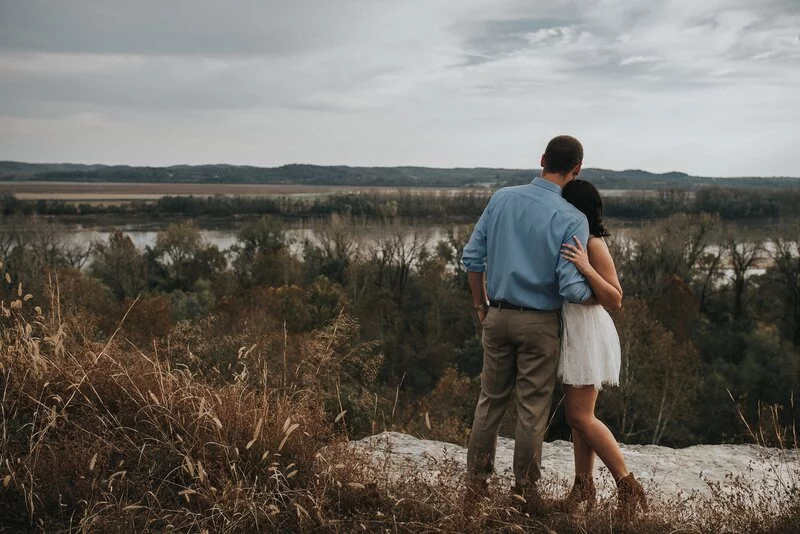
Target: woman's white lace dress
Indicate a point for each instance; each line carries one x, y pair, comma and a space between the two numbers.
590, 351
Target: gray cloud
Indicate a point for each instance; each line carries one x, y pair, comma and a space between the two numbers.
678, 84
174, 27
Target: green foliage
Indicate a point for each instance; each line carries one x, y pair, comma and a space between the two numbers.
261, 254
120, 266
769, 369
181, 258
696, 322
192, 305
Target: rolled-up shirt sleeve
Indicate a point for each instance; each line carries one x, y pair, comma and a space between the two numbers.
572, 285
474, 255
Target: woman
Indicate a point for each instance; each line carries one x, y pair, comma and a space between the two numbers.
590, 358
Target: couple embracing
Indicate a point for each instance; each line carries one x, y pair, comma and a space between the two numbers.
549, 277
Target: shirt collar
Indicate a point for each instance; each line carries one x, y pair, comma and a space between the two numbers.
550, 186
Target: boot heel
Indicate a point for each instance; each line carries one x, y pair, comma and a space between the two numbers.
630, 496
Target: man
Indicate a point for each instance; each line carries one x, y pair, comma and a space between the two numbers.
517, 243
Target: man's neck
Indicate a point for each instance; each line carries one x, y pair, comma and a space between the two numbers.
559, 179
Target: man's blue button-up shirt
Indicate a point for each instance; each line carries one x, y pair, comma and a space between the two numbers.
517, 242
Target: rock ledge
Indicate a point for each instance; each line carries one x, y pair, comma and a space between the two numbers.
668, 473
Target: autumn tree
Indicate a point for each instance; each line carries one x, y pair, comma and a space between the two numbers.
659, 379
674, 247
261, 254
119, 265
182, 257
743, 256
334, 247
785, 273
32, 246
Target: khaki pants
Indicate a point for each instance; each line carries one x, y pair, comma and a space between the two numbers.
520, 349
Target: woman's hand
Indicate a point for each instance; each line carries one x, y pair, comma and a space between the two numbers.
577, 255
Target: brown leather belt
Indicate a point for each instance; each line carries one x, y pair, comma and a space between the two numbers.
503, 305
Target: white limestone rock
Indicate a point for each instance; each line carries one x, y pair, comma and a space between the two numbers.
666, 473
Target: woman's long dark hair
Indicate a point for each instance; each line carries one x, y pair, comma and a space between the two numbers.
585, 196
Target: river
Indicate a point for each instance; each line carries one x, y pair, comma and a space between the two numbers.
361, 235
366, 235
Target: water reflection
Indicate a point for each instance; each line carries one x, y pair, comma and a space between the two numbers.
364, 235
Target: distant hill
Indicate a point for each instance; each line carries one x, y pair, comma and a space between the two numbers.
360, 176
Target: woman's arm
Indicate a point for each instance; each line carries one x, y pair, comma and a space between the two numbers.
597, 265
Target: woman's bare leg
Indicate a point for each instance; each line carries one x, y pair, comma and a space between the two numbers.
579, 403
584, 456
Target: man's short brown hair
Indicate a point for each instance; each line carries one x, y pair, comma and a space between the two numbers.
562, 154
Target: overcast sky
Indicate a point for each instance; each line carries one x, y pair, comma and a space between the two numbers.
708, 87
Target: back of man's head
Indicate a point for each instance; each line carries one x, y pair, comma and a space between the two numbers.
562, 154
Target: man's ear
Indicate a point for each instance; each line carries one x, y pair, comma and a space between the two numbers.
541, 161
577, 170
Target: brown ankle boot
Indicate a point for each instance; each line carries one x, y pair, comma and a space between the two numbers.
630, 496
583, 490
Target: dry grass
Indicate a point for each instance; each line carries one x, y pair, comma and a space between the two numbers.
101, 437
104, 438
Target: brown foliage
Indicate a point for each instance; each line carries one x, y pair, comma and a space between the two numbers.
102, 437
445, 414
146, 318
125, 442
676, 307
659, 377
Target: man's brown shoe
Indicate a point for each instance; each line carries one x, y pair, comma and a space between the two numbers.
530, 501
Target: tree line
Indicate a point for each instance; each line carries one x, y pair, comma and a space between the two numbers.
404, 176
728, 203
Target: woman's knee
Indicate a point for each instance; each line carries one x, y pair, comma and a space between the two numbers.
579, 419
